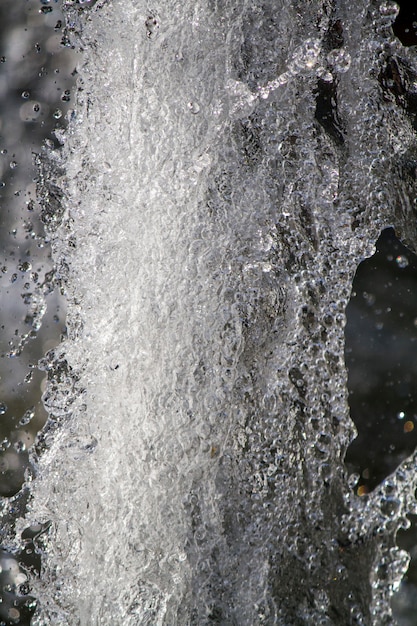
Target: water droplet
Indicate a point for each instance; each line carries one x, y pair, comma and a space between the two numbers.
27, 417
25, 95
3, 408
353, 480
13, 165
401, 261
57, 114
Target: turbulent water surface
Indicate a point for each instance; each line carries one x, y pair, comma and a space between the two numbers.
229, 165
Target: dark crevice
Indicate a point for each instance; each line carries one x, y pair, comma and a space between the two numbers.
326, 112
405, 25
381, 357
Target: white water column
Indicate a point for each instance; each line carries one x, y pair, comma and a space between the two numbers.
213, 223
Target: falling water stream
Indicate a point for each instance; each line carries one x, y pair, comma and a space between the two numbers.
228, 166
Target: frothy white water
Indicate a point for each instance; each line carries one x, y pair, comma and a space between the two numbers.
211, 233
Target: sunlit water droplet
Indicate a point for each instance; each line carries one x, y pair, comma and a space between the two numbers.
401, 261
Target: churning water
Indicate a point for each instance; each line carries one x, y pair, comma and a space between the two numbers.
229, 165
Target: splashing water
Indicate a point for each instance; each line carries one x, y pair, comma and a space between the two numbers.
210, 228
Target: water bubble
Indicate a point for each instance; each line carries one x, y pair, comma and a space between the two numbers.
25, 95
401, 261
13, 165
194, 107
3, 408
57, 114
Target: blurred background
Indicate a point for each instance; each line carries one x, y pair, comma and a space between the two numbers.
37, 74
37, 78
